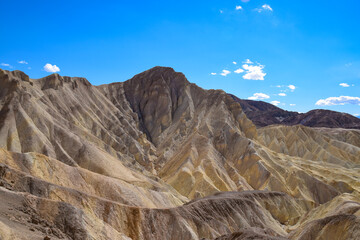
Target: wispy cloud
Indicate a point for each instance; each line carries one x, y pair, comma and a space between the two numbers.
245, 1
259, 96
213, 73
51, 68
286, 88
356, 114
234, 62
282, 94
342, 100
292, 87
275, 103
265, 7
225, 73
238, 8
6, 65
292, 104
254, 72
344, 85
240, 70
22, 62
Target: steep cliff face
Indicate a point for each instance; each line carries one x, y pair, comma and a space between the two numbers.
157, 157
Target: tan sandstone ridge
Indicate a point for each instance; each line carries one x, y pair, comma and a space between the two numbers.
157, 157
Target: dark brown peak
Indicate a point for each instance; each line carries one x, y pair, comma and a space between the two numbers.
155, 71
328, 118
324, 111
331, 114
161, 70
154, 96
159, 74
263, 114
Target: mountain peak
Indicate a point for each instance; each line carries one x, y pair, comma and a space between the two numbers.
160, 75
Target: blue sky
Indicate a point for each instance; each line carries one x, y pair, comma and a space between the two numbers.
302, 50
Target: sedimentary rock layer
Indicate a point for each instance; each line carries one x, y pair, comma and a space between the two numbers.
157, 157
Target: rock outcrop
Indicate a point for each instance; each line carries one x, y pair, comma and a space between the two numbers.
157, 157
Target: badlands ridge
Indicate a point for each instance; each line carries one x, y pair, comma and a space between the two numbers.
157, 157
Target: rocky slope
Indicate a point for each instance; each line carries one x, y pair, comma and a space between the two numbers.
157, 157
264, 114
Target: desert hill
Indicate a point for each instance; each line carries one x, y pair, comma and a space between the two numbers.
157, 157
264, 114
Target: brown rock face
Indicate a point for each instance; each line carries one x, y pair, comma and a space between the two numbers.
157, 157
264, 114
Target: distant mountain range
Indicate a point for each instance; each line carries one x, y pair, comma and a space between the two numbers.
264, 114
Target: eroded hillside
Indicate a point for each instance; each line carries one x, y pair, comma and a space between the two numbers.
157, 157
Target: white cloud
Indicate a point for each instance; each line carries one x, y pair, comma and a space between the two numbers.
356, 115
5, 65
275, 103
292, 104
22, 62
51, 68
213, 74
292, 87
342, 100
282, 94
286, 88
265, 7
344, 85
225, 73
247, 61
239, 70
254, 72
259, 96
234, 62
238, 7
